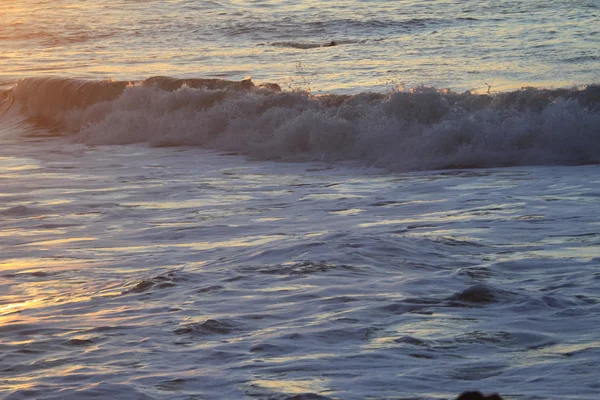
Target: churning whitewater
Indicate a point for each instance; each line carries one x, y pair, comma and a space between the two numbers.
422, 128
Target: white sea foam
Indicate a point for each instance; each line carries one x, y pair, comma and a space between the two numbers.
423, 128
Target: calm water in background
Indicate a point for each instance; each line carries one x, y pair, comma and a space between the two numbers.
246, 243
457, 44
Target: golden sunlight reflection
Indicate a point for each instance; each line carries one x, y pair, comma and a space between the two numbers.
15, 164
567, 349
18, 383
315, 385
445, 217
247, 241
287, 288
41, 265
11, 308
301, 357
57, 243
431, 326
19, 232
331, 196
350, 211
537, 355
587, 253
190, 203
316, 234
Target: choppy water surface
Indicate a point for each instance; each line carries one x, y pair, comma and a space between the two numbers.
130, 272
457, 44
165, 235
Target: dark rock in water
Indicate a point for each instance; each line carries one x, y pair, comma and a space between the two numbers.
478, 396
479, 293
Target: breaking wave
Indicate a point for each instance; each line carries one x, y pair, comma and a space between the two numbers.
423, 128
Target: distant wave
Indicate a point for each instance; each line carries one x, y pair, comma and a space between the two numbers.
423, 128
313, 45
290, 28
50, 38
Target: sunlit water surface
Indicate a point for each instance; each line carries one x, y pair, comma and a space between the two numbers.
130, 272
240, 242
450, 43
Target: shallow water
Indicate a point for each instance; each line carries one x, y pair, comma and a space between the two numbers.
131, 272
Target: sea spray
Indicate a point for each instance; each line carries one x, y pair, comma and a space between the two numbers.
422, 128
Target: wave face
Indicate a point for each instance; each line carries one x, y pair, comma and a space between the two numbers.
423, 128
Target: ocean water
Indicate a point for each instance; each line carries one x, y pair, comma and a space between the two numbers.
299, 200
457, 44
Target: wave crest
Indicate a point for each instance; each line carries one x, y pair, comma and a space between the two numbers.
423, 128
